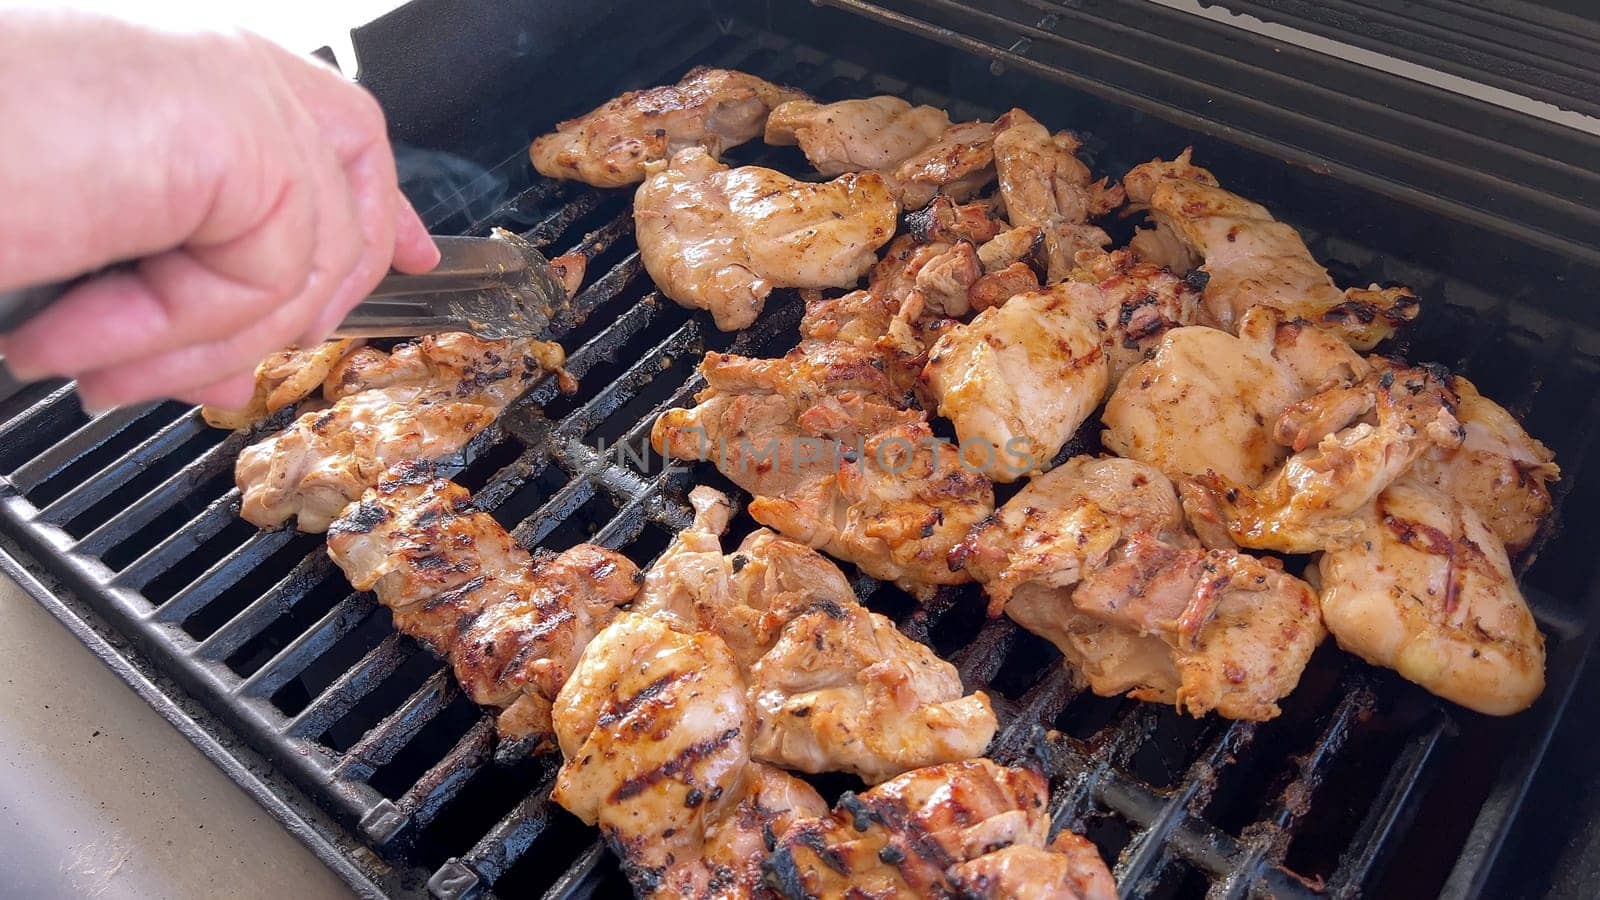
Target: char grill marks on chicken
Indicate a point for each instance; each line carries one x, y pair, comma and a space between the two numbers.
511, 626
423, 400
972, 829
835, 686
655, 729
712, 109
722, 239
1095, 556
1251, 258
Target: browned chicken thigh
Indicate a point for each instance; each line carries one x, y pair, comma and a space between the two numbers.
511, 627
283, 379
836, 687
1231, 390
722, 239
424, 400
1095, 556
868, 135
712, 109
1425, 588
956, 830
1251, 258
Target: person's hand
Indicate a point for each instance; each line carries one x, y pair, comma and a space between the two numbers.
258, 187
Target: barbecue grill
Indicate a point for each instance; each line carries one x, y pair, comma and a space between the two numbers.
358, 740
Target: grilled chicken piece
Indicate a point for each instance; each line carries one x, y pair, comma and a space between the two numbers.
1208, 401
1069, 868
282, 379
712, 109
511, 627
1095, 557
1317, 500
423, 401
942, 831
737, 841
655, 731
1426, 589
957, 166
1018, 380
1500, 470
1046, 187
1133, 305
947, 222
895, 511
1252, 259
856, 135
1022, 244
771, 425
835, 686
722, 239
842, 690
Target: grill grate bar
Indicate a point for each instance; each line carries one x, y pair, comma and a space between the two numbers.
1146, 857
28, 418
1086, 776
77, 445
1267, 840
1399, 798
598, 348
223, 574
454, 771
353, 684
686, 339
981, 659
499, 849
340, 620
379, 745
101, 484
161, 498
545, 233
219, 514
533, 530
266, 609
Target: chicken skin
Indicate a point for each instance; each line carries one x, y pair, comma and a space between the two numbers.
1018, 380
772, 425
1251, 258
511, 627
425, 400
868, 135
835, 686
1316, 500
962, 829
1232, 390
712, 109
895, 510
1499, 470
1426, 589
722, 239
1095, 556
1046, 187
283, 379
957, 165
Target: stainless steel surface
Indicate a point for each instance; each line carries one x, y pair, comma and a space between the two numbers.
101, 797
494, 287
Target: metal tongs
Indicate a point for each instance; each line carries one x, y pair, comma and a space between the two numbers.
495, 287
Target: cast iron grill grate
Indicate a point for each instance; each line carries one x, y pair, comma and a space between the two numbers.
135, 510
